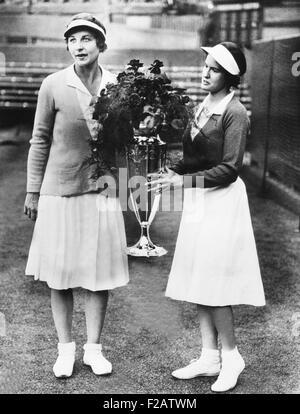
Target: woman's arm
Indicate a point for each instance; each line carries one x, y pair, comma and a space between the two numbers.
179, 167
236, 126
39, 149
41, 138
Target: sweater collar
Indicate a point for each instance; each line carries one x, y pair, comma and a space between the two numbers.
74, 81
219, 108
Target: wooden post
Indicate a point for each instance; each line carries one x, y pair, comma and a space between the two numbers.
29, 7
267, 143
260, 21
238, 29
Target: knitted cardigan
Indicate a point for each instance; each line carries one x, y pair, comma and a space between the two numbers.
216, 153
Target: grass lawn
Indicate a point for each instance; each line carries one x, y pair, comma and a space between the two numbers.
146, 336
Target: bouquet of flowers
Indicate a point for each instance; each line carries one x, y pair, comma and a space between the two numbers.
142, 107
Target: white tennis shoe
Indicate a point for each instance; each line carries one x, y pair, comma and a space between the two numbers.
94, 358
208, 365
63, 367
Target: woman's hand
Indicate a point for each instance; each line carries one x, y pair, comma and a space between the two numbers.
31, 205
107, 185
170, 178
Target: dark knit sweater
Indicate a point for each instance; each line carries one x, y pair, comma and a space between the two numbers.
216, 153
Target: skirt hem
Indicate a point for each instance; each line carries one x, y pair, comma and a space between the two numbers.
231, 303
75, 286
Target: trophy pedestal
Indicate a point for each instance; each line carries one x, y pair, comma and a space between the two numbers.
144, 247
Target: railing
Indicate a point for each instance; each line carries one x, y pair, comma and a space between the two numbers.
237, 22
20, 83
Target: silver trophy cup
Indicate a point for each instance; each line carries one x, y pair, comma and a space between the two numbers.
143, 159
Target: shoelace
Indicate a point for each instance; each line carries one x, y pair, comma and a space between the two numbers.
195, 360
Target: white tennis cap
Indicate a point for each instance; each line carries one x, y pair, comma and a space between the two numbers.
85, 23
224, 57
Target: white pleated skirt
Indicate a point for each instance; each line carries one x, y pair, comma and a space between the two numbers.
79, 241
215, 261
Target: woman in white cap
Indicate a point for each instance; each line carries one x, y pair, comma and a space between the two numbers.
79, 235
215, 264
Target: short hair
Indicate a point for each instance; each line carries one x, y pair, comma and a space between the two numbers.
239, 57
231, 80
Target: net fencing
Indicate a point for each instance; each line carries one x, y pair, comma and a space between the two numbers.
275, 90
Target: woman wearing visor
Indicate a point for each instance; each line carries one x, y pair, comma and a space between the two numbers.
79, 235
215, 264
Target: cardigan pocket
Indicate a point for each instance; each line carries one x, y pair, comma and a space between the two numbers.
73, 180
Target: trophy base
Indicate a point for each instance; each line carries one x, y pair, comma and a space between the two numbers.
145, 248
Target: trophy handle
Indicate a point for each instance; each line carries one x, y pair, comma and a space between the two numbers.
155, 206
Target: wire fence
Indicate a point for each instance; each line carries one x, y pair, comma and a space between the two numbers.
275, 89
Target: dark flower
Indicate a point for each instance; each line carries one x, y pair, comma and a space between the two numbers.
129, 70
120, 76
134, 99
177, 124
185, 99
129, 77
175, 99
135, 64
155, 67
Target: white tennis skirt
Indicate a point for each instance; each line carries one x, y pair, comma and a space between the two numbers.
215, 261
79, 241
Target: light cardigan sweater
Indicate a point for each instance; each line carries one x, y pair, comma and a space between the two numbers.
216, 152
59, 145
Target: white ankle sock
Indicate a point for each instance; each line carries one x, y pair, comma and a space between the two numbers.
67, 347
210, 354
92, 347
231, 354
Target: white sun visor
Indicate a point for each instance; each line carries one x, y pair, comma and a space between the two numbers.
84, 23
224, 58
